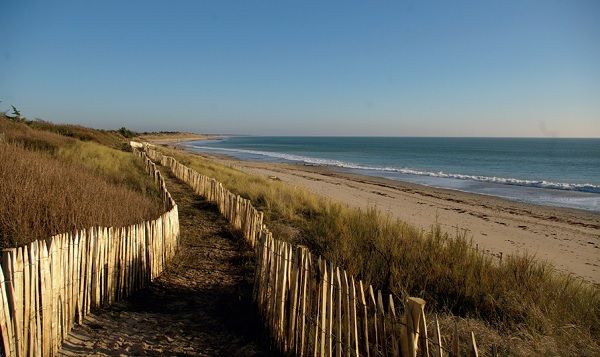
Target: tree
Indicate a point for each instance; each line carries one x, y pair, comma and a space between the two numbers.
16, 115
126, 132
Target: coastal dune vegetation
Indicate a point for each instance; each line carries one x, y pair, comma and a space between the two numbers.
59, 178
520, 303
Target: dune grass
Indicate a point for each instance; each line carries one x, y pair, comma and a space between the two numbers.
51, 183
118, 166
110, 138
540, 310
102, 152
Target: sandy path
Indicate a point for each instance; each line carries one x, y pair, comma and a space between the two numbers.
568, 238
200, 307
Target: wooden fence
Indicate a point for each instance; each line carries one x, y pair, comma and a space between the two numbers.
49, 285
312, 307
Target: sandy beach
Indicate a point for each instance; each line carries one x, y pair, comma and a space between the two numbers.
568, 238
174, 138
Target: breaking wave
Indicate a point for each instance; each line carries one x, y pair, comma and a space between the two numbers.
586, 187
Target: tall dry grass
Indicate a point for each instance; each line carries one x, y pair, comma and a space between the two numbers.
523, 304
41, 196
105, 160
29, 138
110, 138
50, 184
118, 166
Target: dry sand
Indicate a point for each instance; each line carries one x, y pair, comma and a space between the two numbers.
173, 138
200, 306
568, 238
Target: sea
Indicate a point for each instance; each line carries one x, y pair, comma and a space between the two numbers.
548, 171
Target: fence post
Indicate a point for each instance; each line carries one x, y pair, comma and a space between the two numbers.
376, 347
438, 338
305, 277
5, 328
347, 317
354, 315
324, 300
27, 312
414, 313
365, 317
338, 315
473, 348
46, 302
286, 287
380, 308
294, 286
393, 332
7, 295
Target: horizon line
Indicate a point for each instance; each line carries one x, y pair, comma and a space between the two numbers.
399, 136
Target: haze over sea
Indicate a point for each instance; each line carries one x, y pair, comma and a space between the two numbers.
549, 171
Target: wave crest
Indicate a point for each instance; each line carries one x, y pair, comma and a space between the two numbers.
585, 187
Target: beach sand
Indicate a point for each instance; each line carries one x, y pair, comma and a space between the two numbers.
174, 138
568, 238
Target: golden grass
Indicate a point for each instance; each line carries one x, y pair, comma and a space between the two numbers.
41, 196
52, 184
110, 138
20, 133
118, 166
540, 310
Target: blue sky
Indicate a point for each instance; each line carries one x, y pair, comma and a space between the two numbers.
406, 68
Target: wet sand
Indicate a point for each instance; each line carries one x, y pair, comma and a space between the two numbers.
568, 238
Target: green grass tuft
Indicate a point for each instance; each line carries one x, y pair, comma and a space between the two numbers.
522, 298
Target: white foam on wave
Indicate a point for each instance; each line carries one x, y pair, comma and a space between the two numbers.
585, 187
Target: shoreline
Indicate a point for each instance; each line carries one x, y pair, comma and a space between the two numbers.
350, 173
177, 138
567, 237
554, 192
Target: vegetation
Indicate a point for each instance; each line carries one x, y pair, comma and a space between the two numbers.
52, 175
109, 138
53, 182
522, 303
16, 115
126, 133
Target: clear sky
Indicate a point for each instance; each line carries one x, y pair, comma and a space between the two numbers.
406, 68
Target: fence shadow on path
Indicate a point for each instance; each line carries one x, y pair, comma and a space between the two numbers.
202, 305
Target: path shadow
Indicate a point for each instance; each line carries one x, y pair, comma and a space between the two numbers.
200, 306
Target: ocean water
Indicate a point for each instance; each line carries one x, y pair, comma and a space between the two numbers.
548, 171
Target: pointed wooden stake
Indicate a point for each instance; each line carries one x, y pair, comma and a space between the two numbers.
473, 348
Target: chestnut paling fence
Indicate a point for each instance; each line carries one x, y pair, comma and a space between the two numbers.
49, 285
310, 306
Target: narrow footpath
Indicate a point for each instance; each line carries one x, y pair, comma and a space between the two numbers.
201, 306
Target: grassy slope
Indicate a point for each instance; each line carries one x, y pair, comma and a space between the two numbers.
540, 309
108, 138
53, 183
